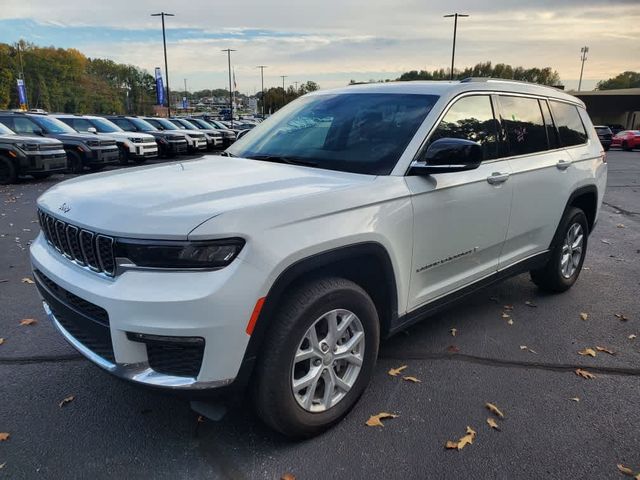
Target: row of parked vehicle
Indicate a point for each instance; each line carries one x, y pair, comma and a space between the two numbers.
41, 144
625, 139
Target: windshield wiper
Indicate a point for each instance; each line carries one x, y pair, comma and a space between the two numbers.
284, 159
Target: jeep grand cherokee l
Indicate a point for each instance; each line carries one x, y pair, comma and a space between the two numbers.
340, 220
38, 157
170, 143
134, 146
83, 149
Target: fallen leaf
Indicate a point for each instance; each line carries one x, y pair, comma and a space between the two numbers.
1, 341
463, 442
27, 280
505, 315
605, 350
4, 436
453, 332
584, 374
621, 316
529, 303
620, 225
66, 400
200, 419
493, 424
394, 372
412, 379
2, 465
375, 420
584, 316
587, 351
4, 280
452, 349
288, 476
632, 336
28, 321
606, 241
508, 307
524, 347
510, 321
575, 399
625, 470
494, 409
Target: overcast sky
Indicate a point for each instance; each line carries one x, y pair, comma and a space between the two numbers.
333, 41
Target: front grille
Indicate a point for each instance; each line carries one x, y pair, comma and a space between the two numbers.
49, 147
86, 322
107, 143
84, 247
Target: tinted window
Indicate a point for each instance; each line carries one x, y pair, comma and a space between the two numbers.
552, 132
352, 132
21, 125
124, 124
569, 124
471, 118
523, 124
81, 124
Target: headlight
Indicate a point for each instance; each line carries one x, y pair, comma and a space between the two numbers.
28, 147
209, 254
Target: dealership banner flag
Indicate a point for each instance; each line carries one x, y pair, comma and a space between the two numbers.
22, 94
159, 87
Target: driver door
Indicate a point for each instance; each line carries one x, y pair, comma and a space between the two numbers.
460, 218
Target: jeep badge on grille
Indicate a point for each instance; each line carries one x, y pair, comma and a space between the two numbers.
64, 208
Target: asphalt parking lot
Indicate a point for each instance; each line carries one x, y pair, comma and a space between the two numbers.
114, 430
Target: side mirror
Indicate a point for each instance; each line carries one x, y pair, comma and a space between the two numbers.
92, 130
38, 131
448, 155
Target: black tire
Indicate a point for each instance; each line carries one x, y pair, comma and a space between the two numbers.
139, 160
272, 390
606, 149
75, 162
550, 278
96, 168
625, 146
41, 175
124, 155
8, 173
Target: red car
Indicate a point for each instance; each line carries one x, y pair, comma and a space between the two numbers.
627, 139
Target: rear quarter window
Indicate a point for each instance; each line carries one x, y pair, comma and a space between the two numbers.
524, 125
570, 127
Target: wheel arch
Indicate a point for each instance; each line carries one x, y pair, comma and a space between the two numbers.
367, 264
586, 199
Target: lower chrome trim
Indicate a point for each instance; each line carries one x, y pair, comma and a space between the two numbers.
139, 373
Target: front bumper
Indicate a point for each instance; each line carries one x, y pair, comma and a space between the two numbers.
150, 303
144, 150
39, 162
103, 155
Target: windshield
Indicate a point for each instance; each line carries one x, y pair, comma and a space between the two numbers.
185, 124
52, 125
104, 126
178, 124
143, 125
218, 125
4, 130
200, 123
165, 124
351, 132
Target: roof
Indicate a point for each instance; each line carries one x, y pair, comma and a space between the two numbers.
455, 87
619, 91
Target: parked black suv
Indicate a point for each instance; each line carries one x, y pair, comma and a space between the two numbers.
170, 143
196, 141
228, 136
212, 136
83, 149
39, 157
605, 135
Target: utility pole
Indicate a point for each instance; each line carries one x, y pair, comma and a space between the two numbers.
284, 98
229, 50
262, 67
166, 67
583, 56
186, 98
455, 31
19, 44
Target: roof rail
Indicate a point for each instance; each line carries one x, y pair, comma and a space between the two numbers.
506, 80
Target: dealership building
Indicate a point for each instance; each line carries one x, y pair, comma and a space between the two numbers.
613, 107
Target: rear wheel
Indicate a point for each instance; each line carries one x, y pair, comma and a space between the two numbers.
8, 172
124, 155
318, 357
75, 162
625, 146
567, 254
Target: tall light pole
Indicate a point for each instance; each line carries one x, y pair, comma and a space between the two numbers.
284, 98
262, 67
166, 67
455, 31
186, 98
229, 50
583, 56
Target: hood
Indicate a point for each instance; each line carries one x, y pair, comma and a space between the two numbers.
167, 134
169, 201
30, 139
79, 136
145, 136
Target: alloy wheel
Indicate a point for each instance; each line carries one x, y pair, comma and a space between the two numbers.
572, 250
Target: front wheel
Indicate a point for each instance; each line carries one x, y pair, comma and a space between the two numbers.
8, 172
318, 357
567, 254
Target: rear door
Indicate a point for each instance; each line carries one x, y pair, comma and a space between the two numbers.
460, 218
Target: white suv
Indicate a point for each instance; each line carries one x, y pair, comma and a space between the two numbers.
343, 218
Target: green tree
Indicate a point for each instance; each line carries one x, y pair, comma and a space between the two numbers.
623, 80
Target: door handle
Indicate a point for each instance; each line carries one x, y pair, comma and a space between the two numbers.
497, 177
563, 164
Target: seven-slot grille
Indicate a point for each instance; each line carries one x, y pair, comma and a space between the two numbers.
84, 247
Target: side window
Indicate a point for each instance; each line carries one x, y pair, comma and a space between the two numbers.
24, 125
523, 124
81, 124
570, 127
471, 118
552, 133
